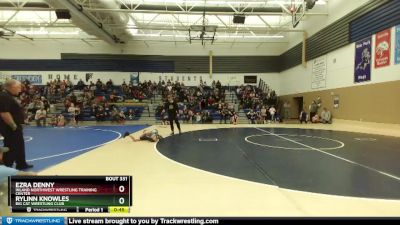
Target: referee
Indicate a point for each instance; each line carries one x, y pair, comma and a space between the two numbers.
11, 120
172, 107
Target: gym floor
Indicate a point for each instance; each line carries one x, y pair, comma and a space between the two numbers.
343, 169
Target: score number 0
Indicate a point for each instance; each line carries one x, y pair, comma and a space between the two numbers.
121, 200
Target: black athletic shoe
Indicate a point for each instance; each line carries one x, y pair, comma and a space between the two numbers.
24, 167
126, 134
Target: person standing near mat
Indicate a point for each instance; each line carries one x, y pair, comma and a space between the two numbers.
11, 120
172, 107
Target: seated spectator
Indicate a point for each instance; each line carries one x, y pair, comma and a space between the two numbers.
107, 110
315, 118
99, 84
40, 116
326, 116
207, 118
31, 108
100, 114
114, 115
198, 117
251, 115
92, 87
60, 121
121, 116
46, 103
78, 113
225, 114
109, 84
114, 97
218, 85
131, 114
164, 117
80, 85
211, 102
53, 121
190, 116
303, 116
181, 115
74, 112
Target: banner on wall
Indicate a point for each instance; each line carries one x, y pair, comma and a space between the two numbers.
134, 78
88, 76
382, 48
33, 79
318, 79
42, 77
397, 48
362, 70
250, 79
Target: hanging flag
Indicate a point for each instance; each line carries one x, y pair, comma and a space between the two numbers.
382, 48
397, 48
362, 70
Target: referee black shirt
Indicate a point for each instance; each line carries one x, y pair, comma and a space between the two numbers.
9, 104
172, 108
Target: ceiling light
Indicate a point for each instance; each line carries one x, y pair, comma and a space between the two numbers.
211, 2
159, 35
219, 36
45, 32
251, 36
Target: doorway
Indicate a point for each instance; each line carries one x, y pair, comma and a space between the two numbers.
298, 104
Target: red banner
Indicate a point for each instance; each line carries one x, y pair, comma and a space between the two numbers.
382, 48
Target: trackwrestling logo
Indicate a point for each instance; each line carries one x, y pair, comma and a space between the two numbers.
33, 220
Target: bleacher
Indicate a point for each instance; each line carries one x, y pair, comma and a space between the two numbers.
230, 98
88, 115
151, 105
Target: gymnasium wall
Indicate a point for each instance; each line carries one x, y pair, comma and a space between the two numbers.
52, 49
193, 79
336, 10
231, 79
377, 102
374, 101
338, 34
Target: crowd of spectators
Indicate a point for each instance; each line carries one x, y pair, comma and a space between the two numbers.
314, 116
96, 100
260, 106
200, 104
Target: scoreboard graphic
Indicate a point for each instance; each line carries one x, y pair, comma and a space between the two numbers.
86, 194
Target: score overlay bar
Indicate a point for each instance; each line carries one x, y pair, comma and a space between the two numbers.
69, 193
